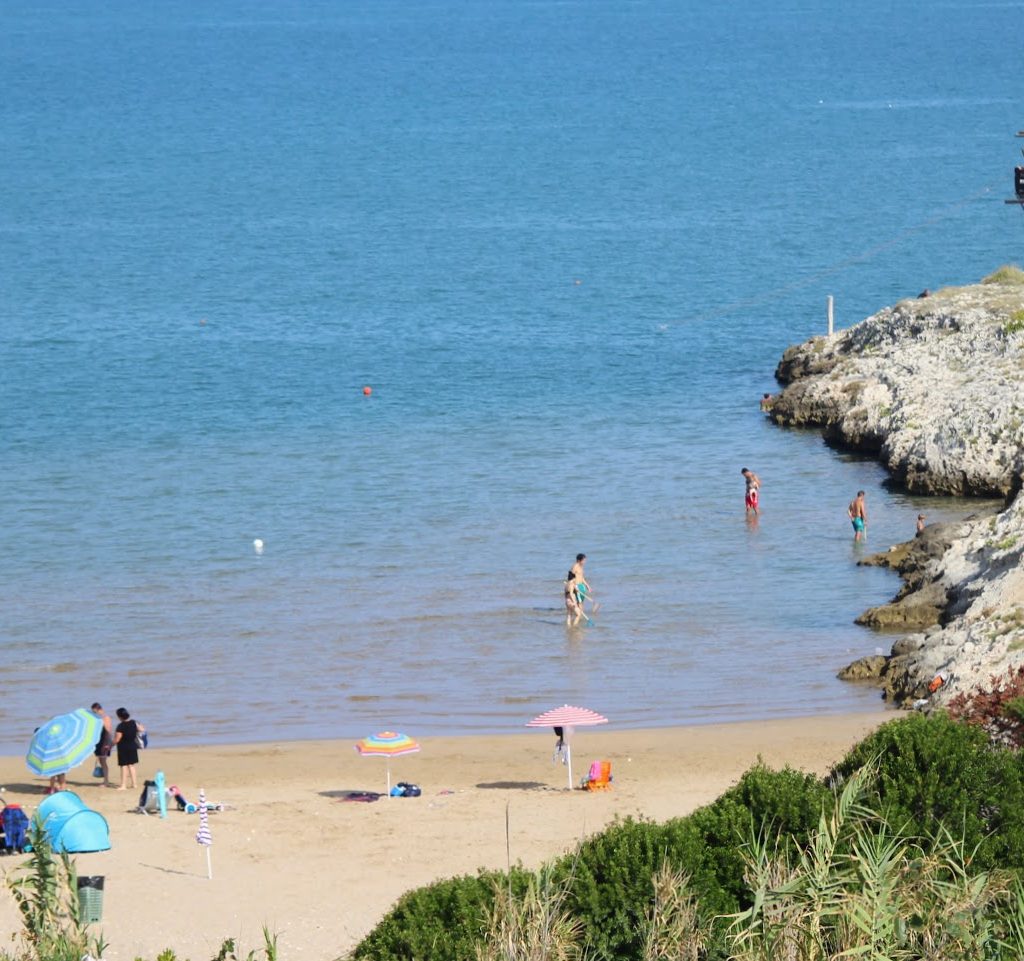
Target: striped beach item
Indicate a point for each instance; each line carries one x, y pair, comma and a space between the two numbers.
203, 835
387, 744
567, 717
63, 742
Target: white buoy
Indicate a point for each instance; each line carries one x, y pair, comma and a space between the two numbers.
257, 546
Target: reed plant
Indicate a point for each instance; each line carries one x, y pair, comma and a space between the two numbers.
672, 927
45, 890
862, 890
533, 924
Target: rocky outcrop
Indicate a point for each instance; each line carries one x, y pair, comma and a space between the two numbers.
935, 387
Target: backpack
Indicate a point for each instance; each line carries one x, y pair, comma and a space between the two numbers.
401, 789
149, 800
15, 824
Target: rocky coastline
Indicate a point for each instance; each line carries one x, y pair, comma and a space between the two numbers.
935, 387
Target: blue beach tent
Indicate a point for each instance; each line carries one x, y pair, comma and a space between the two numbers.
71, 826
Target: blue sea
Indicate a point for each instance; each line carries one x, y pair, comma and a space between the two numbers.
565, 243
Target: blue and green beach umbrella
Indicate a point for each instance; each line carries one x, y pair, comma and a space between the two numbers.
63, 742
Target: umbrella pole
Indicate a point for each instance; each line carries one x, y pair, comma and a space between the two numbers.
568, 760
387, 763
209, 865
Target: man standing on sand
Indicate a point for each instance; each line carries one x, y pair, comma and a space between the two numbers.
753, 486
858, 515
105, 743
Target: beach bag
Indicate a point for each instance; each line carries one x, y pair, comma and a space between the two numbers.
97, 771
141, 740
149, 800
401, 789
15, 825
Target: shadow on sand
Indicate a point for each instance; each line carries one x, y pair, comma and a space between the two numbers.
514, 786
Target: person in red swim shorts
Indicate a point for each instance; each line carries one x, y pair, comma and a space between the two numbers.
753, 486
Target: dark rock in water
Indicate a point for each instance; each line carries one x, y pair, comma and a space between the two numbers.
912, 611
868, 668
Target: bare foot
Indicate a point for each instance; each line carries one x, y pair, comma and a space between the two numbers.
122, 788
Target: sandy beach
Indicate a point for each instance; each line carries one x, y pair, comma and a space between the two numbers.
319, 871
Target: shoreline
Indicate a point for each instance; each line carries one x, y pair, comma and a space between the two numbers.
321, 873
497, 732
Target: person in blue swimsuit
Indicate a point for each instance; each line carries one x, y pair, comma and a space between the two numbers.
858, 514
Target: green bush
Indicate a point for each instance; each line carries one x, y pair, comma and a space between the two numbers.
925, 771
787, 802
610, 881
444, 920
1007, 274
932, 770
612, 872
1015, 324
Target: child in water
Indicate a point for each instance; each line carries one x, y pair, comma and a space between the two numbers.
573, 608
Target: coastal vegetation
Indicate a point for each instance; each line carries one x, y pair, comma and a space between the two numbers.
1015, 324
912, 847
1007, 274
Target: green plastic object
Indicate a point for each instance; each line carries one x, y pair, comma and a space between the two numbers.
90, 899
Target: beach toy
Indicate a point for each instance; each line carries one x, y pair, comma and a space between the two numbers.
161, 792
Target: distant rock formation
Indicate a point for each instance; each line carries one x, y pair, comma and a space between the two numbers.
935, 387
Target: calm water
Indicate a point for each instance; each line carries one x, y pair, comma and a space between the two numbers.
565, 242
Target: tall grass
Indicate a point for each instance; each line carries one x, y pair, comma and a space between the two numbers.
671, 928
45, 890
1007, 274
861, 890
532, 926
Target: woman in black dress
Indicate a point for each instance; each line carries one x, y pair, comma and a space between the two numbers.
127, 750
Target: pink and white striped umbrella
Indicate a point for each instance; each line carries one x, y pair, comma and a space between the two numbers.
203, 836
568, 717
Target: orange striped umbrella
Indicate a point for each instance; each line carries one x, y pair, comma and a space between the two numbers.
387, 744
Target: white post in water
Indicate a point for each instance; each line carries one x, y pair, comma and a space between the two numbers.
830, 320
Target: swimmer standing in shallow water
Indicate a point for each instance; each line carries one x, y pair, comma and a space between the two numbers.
582, 584
858, 514
753, 486
573, 608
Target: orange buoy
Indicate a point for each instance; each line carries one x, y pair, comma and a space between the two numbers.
367, 391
